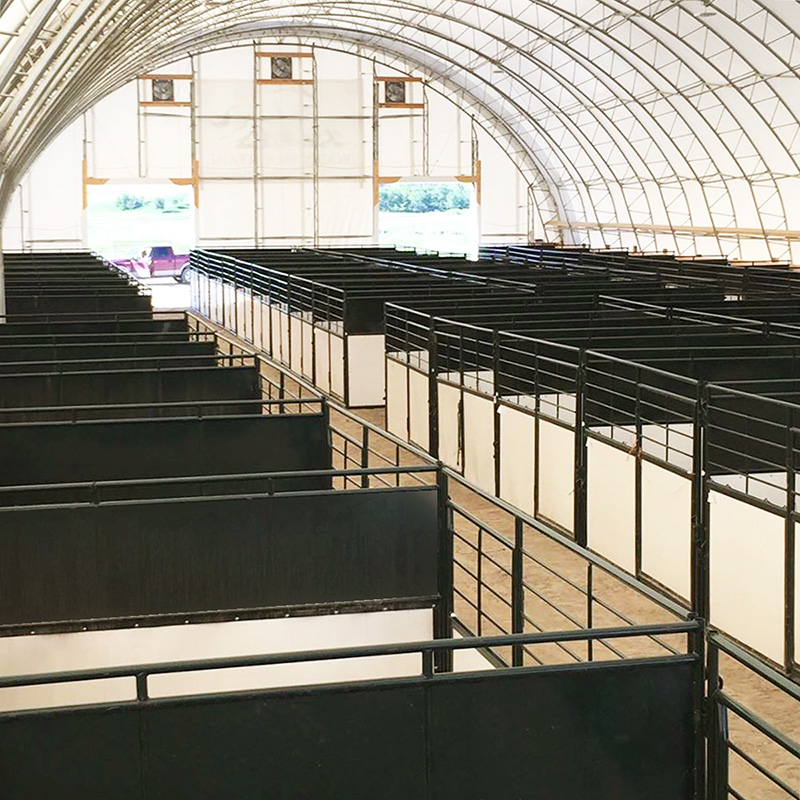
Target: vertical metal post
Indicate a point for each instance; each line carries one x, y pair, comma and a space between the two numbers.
433, 390
517, 592
700, 565
365, 456
496, 410
580, 452
426, 162
443, 614
697, 642
256, 140
637, 454
315, 126
590, 608
790, 551
716, 735
536, 426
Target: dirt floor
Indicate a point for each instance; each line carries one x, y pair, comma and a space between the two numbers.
556, 598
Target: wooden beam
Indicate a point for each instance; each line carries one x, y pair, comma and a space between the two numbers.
401, 105
284, 81
757, 233
151, 77
268, 54
167, 103
398, 78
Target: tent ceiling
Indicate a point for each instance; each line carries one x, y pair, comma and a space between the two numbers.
670, 115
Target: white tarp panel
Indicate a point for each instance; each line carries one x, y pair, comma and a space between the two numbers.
220, 217
611, 513
556, 474
44, 653
747, 574
286, 209
112, 132
167, 143
397, 399
479, 441
517, 457
225, 82
365, 356
348, 208
226, 149
667, 528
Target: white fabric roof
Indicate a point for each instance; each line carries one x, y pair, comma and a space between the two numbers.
662, 117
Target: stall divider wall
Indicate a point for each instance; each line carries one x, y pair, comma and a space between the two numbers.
313, 343
615, 455
508, 560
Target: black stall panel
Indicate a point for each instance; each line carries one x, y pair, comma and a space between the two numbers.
612, 732
88, 330
53, 453
79, 754
599, 731
124, 387
77, 303
216, 555
69, 357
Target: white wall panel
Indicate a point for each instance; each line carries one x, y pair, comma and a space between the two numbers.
517, 456
284, 323
747, 574
449, 451
365, 357
322, 355
418, 405
168, 144
556, 473
266, 327
611, 516
276, 316
479, 441
337, 366
46, 653
257, 322
296, 343
243, 314
307, 330
397, 399
667, 528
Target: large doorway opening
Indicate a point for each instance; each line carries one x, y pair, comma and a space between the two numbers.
124, 220
429, 215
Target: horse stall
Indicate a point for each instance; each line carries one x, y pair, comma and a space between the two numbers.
198, 604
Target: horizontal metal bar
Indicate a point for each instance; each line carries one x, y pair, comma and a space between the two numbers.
307, 656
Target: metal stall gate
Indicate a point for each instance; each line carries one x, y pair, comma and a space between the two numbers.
609, 731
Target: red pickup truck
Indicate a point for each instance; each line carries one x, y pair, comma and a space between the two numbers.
157, 262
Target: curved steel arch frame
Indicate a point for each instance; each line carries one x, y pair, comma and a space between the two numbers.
663, 123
